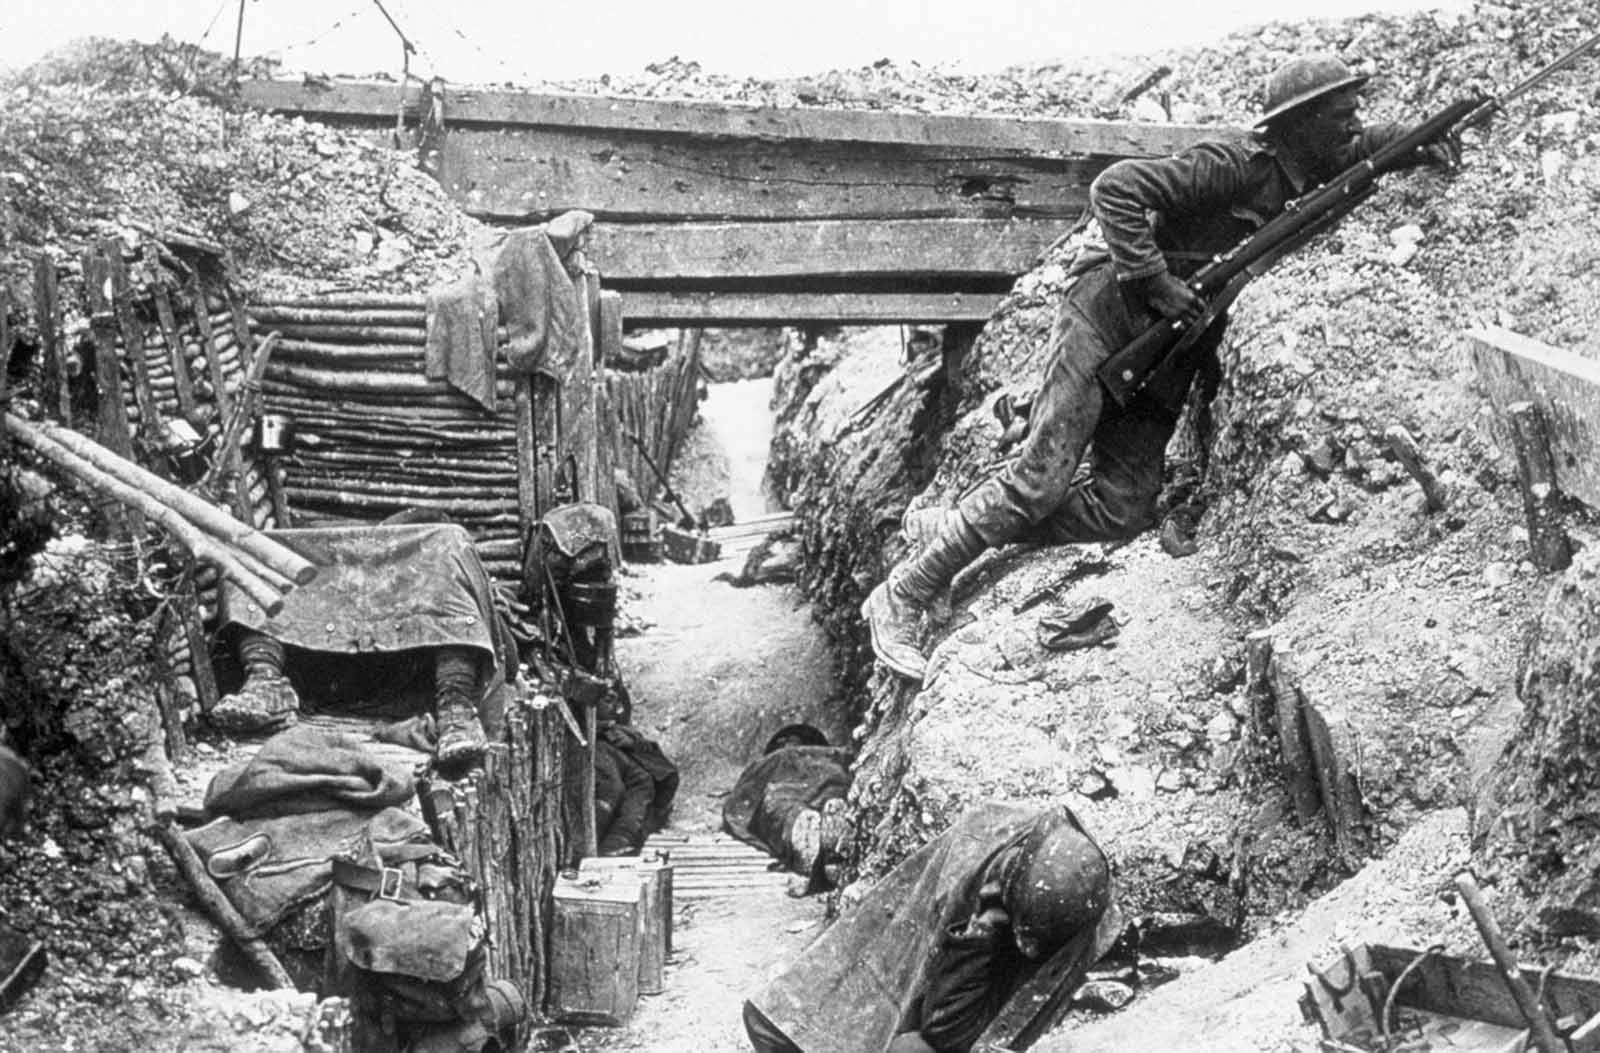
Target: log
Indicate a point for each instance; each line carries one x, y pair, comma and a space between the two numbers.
318, 353
291, 379
355, 301
278, 315
233, 925
182, 530
391, 503
1548, 545
365, 334
205, 517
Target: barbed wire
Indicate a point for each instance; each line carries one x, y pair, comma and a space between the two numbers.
213, 23
318, 38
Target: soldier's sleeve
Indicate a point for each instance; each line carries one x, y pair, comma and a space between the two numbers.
1373, 138
626, 833
961, 997
1127, 196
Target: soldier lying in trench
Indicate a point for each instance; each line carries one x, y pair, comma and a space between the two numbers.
927, 959
790, 803
399, 622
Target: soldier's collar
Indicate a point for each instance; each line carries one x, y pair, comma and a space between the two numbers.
1291, 166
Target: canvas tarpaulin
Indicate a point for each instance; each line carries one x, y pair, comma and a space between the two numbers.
849, 991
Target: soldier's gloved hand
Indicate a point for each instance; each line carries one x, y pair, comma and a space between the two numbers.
1169, 297
1443, 154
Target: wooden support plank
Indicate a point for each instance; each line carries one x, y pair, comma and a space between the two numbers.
1042, 135
1565, 387
1548, 545
180, 363
1477, 990
151, 427
834, 248
208, 344
533, 174
786, 308
112, 412
47, 311
1336, 784
1295, 752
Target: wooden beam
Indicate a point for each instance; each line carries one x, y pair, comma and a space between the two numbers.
1477, 990
1565, 387
830, 248
372, 102
536, 173
784, 308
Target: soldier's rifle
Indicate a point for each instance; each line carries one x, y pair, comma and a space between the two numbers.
1163, 345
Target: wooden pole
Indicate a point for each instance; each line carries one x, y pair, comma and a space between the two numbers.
213, 521
1548, 544
183, 530
1543, 1032
180, 364
224, 913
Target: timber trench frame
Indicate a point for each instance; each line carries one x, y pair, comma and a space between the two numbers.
714, 214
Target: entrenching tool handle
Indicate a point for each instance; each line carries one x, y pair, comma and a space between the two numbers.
1539, 1025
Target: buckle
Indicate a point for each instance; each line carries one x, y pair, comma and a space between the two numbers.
390, 882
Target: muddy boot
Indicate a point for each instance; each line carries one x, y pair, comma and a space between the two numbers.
805, 841
894, 609
267, 701
461, 737
919, 527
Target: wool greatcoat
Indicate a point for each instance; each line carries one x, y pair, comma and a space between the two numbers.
895, 961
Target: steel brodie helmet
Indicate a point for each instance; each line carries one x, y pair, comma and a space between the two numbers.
1305, 80
1059, 884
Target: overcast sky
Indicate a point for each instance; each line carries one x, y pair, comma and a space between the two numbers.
496, 40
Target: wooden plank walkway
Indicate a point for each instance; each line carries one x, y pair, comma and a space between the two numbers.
709, 866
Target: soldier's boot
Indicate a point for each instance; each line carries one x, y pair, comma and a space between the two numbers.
455, 686
266, 701
920, 526
894, 610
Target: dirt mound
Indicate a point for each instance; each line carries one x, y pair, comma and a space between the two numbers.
1404, 625
97, 144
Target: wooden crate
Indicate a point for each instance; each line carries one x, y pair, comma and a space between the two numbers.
595, 937
653, 877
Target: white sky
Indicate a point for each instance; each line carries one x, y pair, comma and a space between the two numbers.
494, 40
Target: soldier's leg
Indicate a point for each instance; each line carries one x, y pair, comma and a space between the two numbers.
455, 693
1004, 506
266, 701
1116, 497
